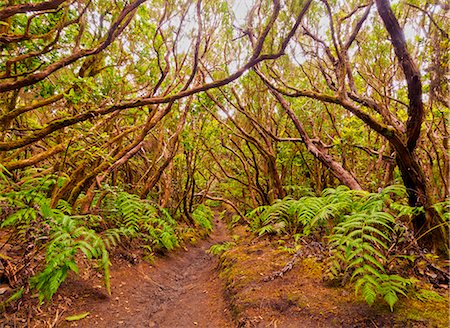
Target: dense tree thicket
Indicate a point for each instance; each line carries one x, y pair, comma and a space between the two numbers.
179, 102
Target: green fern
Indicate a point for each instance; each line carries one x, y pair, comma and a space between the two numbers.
131, 209
363, 224
264, 218
63, 236
21, 217
306, 213
203, 217
53, 229
68, 236
112, 236
360, 244
218, 249
387, 286
443, 209
140, 219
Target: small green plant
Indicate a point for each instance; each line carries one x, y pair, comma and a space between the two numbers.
68, 236
140, 219
218, 249
360, 245
443, 209
235, 220
14, 297
307, 213
203, 217
426, 295
372, 283
58, 232
290, 250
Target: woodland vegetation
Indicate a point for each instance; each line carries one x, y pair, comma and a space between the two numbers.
127, 122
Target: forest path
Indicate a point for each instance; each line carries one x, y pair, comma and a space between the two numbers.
181, 290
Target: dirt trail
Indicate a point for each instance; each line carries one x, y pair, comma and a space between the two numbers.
181, 290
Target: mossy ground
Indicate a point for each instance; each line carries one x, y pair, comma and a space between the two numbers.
302, 298
426, 307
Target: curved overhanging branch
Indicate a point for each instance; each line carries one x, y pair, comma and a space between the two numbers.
336, 168
55, 125
29, 7
9, 116
116, 28
226, 201
65, 122
387, 131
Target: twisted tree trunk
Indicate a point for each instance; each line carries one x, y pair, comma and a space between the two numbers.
413, 177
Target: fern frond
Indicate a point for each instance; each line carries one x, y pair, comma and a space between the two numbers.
218, 249
203, 216
398, 190
369, 293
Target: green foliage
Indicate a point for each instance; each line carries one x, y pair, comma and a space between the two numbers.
359, 245
308, 212
426, 295
68, 236
28, 201
3, 174
59, 233
360, 228
264, 218
443, 209
64, 236
290, 250
14, 297
373, 284
140, 219
77, 317
362, 237
361, 241
203, 217
218, 249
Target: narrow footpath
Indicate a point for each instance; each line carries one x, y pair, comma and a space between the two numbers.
182, 289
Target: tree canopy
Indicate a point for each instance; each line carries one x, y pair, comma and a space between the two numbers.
194, 99
243, 103
123, 120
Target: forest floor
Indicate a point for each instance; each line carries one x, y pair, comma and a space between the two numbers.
191, 288
269, 286
182, 289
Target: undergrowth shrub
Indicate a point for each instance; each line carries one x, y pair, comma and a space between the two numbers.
307, 213
359, 245
203, 217
68, 236
137, 218
55, 230
57, 236
218, 249
360, 226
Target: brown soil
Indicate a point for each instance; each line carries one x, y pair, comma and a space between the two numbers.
181, 290
187, 288
302, 298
